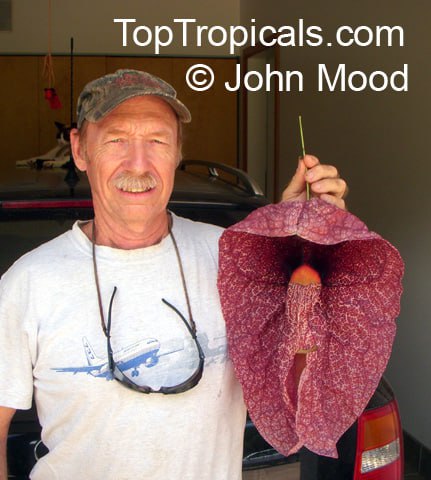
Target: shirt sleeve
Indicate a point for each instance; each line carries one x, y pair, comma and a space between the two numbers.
16, 370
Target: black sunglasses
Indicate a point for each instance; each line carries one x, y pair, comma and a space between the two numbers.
188, 384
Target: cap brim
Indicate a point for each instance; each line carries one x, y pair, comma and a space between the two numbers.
108, 106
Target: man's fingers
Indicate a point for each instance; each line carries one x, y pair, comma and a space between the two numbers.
310, 161
334, 186
339, 202
324, 181
297, 183
319, 172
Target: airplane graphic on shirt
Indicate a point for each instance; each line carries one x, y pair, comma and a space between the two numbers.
144, 352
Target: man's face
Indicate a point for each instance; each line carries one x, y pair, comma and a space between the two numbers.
130, 157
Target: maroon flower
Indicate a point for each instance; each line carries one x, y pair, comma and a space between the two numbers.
309, 344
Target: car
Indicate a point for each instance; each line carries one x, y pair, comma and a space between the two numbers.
40, 203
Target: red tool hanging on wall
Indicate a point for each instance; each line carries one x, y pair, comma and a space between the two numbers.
48, 70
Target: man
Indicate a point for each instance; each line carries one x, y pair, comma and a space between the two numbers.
128, 296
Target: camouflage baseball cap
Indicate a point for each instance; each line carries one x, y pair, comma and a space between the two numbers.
102, 95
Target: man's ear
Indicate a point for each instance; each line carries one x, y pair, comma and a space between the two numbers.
78, 150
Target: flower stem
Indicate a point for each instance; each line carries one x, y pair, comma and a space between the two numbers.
303, 152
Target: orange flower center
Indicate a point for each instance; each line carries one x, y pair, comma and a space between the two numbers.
305, 275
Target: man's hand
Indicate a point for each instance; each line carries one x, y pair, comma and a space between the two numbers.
324, 181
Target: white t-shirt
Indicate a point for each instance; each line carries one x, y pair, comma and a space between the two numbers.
51, 340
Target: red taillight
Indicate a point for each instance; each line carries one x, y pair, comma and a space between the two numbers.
379, 451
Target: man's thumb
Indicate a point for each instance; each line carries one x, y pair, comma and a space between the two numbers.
297, 183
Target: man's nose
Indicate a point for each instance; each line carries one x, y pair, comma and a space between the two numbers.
139, 156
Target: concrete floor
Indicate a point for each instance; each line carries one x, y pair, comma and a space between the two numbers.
283, 472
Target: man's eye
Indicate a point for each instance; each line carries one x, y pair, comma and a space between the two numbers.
116, 140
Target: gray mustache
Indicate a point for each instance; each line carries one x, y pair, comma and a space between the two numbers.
128, 182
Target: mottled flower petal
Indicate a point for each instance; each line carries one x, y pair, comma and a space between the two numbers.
349, 317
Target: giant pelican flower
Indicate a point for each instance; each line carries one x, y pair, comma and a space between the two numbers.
310, 298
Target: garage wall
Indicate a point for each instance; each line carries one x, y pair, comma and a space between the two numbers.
98, 49
381, 143
91, 25
27, 127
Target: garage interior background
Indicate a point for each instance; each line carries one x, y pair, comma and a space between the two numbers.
379, 141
